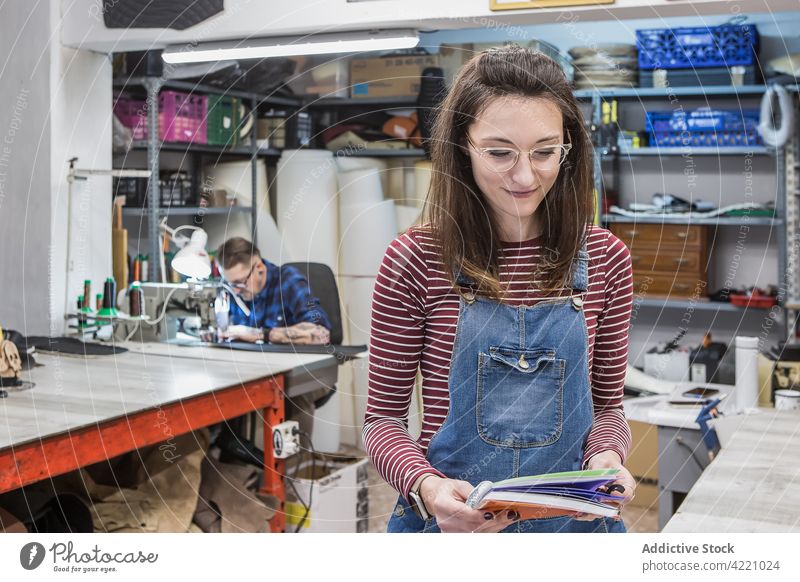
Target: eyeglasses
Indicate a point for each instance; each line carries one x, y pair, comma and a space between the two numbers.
242, 283
544, 159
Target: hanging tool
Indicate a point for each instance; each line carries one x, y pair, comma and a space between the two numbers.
709, 434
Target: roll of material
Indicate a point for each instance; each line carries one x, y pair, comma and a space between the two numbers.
746, 372
360, 394
422, 182
236, 178
360, 187
347, 164
407, 216
396, 185
366, 230
357, 296
327, 426
306, 208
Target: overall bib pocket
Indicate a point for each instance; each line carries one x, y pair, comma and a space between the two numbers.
520, 398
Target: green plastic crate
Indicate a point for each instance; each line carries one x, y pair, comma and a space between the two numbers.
223, 120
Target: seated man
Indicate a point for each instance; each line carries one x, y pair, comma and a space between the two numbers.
282, 310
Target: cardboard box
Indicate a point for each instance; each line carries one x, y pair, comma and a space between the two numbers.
338, 492
642, 462
388, 76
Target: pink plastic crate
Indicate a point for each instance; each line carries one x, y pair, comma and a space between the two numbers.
181, 117
133, 115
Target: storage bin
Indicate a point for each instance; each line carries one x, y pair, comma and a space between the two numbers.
704, 127
700, 47
181, 117
224, 117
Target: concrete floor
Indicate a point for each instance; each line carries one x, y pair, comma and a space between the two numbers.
382, 499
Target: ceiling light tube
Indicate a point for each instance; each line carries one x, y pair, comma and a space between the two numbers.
318, 44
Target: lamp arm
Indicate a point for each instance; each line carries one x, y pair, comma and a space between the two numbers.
242, 305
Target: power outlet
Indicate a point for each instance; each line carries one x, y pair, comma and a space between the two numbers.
286, 439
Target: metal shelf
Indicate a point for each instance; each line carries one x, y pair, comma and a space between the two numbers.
695, 151
718, 221
696, 305
208, 149
383, 153
139, 82
187, 211
655, 92
393, 102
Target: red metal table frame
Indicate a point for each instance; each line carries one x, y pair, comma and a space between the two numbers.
59, 454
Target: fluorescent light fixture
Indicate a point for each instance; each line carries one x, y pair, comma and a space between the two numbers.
287, 46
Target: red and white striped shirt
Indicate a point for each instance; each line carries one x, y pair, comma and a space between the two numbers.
414, 316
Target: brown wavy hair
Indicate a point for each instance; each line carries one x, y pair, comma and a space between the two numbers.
458, 214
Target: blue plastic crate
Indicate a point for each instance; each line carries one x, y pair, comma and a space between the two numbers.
702, 47
703, 119
704, 127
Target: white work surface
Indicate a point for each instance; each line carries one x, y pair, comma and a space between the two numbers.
658, 411
271, 362
754, 483
72, 392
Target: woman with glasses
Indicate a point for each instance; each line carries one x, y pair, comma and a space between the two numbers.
509, 301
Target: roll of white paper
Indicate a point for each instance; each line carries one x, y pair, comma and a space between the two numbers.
307, 209
422, 181
746, 372
406, 216
236, 178
327, 426
360, 187
346, 164
360, 393
357, 299
366, 230
396, 186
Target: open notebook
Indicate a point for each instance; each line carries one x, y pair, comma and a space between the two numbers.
550, 495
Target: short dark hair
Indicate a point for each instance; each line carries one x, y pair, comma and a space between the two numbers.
236, 251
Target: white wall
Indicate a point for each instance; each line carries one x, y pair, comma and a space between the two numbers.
55, 103
242, 18
81, 127
24, 166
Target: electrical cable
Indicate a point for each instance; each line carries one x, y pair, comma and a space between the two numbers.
776, 136
135, 329
310, 481
164, 309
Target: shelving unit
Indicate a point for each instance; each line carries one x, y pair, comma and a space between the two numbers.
787, 212
154, 212
719, 221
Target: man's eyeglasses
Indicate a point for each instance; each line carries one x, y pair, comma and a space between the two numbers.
242, 283
544, 159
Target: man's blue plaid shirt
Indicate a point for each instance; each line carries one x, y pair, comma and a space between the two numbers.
284, 301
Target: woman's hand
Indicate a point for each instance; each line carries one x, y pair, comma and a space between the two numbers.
611, 460
445, 498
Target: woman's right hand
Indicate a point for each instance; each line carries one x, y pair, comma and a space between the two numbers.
445, 498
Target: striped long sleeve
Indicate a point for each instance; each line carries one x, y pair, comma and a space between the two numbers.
414, 317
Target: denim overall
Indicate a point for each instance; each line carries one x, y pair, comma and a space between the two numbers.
520, 399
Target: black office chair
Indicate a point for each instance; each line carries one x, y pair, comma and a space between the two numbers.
322, 284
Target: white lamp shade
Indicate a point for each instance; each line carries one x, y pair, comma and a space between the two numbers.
192, 260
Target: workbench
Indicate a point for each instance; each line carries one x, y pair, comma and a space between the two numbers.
753, 485
83, 410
